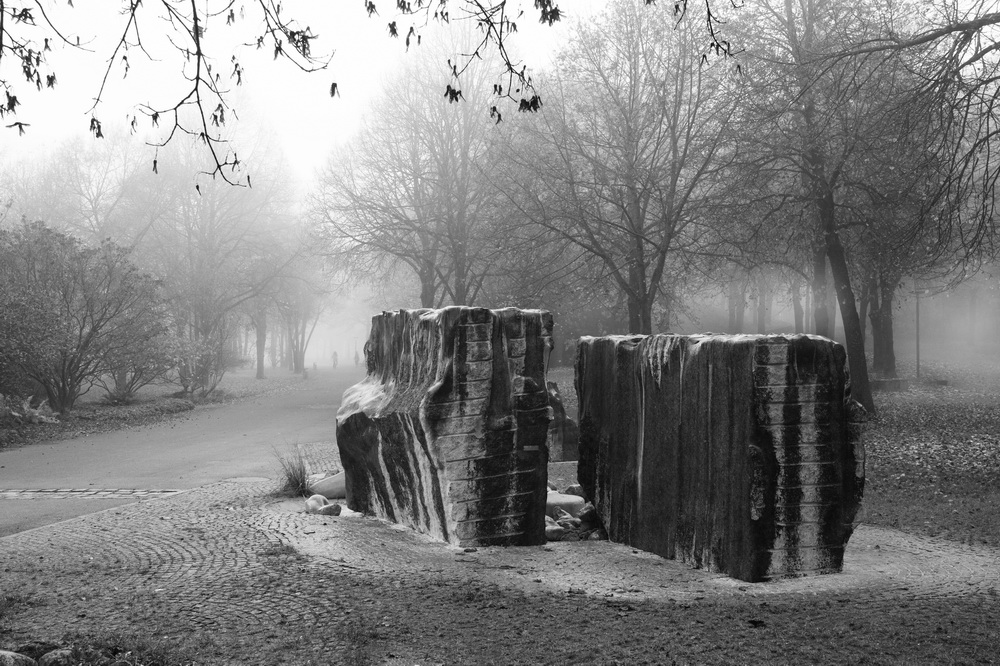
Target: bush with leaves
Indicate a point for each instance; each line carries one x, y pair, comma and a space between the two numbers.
70, 312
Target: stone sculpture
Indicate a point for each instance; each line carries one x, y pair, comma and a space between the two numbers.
738, 454
564, 435
447, 433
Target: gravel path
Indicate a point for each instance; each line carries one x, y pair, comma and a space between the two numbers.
231, 559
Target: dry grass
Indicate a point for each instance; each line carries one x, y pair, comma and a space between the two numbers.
294, 473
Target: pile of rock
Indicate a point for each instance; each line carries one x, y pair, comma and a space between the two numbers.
570, 517
325, 487
41, 653
329, 485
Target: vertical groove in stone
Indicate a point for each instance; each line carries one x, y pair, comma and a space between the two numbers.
447, 431
737, 454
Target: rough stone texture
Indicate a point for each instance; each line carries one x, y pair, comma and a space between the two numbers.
36, 649
330, 487
737, 454
564, 435
8, 658
447, 433
60, 657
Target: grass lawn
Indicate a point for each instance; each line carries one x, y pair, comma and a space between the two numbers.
934, 455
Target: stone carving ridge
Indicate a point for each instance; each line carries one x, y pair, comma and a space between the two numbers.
447, 433
738, 454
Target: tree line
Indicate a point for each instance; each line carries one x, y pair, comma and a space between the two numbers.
811, 166
115, 277
839, 152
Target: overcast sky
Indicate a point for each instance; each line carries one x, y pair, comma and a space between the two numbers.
293, 107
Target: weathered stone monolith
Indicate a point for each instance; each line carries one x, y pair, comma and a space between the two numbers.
737, 454
447, 431
564, 435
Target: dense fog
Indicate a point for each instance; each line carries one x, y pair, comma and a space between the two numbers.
643, 176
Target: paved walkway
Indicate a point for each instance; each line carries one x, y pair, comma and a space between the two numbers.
183, 538
233, 559
230, 556
208, 444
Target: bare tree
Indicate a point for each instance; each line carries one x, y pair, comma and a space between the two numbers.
216, 250
414, 187
621, 159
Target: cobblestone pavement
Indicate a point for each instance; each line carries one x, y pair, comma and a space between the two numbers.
230, 558
82, 493
320, 456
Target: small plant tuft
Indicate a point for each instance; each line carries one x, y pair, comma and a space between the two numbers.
294, 474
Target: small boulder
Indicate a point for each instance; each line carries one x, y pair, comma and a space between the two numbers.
331, 487
15, 659
598, 535
330, 510
559, 515
315, 503
36, 649
554, 532
60, 657
588, 515
575, 489
571, 504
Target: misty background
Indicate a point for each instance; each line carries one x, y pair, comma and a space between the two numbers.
653, 185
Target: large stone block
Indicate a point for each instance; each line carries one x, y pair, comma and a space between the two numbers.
738, 454
564, 435
447, 431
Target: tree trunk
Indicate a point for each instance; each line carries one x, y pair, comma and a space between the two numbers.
273, 351
646, 316
428, 285
875, 318
761, 305
260, 325
884, 361
807, 307
865, 303
821, 316
860, 386
831, 307
735, 303
461, 267
797, 308
633, 316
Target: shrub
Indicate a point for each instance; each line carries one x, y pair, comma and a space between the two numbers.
67, 310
